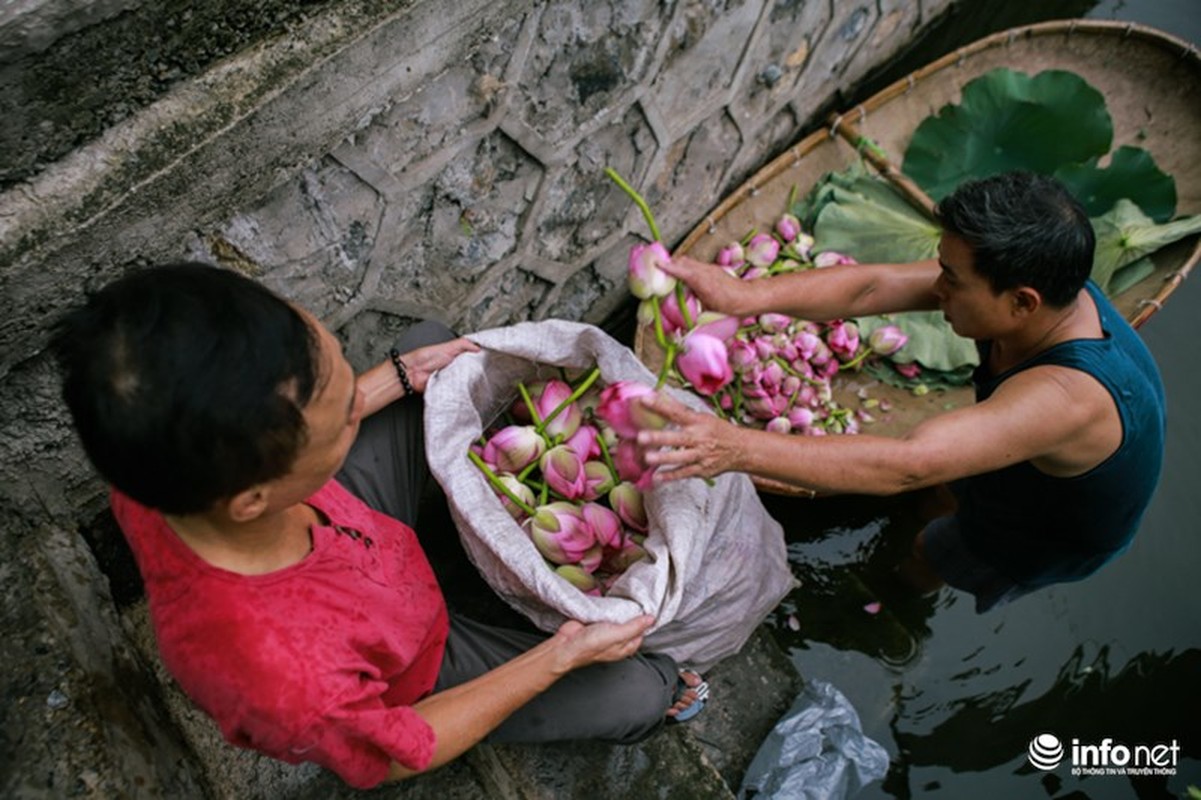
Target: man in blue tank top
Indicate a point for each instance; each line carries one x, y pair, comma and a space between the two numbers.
1054, 465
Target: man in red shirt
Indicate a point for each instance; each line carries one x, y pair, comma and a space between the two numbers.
266, 492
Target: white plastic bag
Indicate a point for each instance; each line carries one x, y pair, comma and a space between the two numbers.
716, 560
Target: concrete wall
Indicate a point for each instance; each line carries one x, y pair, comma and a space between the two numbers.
376, 161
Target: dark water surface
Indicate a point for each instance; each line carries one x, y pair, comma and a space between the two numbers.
956, 697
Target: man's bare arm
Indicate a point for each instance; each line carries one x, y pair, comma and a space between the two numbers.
1011, 426
850, 290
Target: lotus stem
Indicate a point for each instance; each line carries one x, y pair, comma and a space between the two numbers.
498, 484
638, 201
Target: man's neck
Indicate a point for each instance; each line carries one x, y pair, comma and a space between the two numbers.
1051, 326
255, 547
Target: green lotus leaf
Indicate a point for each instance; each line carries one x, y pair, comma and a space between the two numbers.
866, 219
1131, 173
1125, 234
931, 343
1007, 120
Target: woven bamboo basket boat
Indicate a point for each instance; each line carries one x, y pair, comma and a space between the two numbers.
1151, 82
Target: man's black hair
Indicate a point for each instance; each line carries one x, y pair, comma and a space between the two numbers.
186, 383
1024, 230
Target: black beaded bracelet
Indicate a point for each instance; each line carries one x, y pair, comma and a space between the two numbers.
401, 372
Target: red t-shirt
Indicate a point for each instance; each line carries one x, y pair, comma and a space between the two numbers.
318, 661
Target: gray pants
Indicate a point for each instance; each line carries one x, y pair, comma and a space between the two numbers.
622, 701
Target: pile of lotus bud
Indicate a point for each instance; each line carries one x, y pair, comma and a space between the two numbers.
770, 371
564, 463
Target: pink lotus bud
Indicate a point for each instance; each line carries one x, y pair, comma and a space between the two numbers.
646, 313
843, 338
583, 441
560, 533
765, 347
772, 375
743, 356
673, 319
779, 425
525, 493
731, 255
760, 407
806, 343
620, 410
789, 227
705, 363
754, 273
598, 480
564, 471
620, 559
631, 464
790, 385
762, 250
567, 422
887, 340
647, 279
821, 354
910, 370
606, 525
719, 326
579, 578
831, 259
774, 323
592, 557
627, 502
513, 448
803, 246
800, 417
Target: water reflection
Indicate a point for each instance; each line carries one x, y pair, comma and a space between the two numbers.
1088, 701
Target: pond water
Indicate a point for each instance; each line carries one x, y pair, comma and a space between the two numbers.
956, 697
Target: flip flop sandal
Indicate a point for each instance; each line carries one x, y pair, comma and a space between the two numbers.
697, 706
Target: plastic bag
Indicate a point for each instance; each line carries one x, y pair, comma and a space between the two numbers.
716, 559
817, 751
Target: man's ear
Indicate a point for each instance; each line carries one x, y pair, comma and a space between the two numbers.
248, 504
1026, 300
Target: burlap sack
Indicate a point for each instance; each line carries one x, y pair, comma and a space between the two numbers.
717, 563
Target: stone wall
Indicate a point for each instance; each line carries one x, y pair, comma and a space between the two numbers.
376, 161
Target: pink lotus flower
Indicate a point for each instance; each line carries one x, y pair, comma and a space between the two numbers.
705, 363
887, 340
606, 525
743, 356
789, 227
779, 425
765, 348
647, 278
619, 409
762, 250
673, 319
598, 480
754, 273
626, 500
523, 492
560, 533
631, 464
567, 422
843, 338
803, 246
579, 578
910, 370
564, 471
583, 441
513, 448
801, 417
831, 259
774, 323
719, 326
731, 255
620, 559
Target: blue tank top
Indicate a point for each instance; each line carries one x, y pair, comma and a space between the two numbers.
1038, 529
